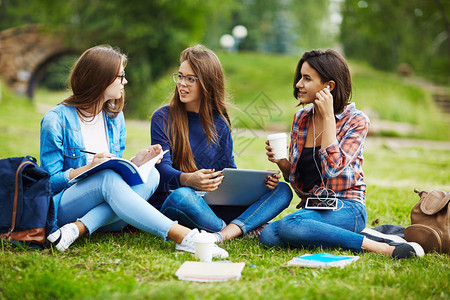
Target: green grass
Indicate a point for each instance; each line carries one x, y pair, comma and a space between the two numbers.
142, 266
19, 126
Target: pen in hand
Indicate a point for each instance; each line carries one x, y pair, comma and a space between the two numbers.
88, 152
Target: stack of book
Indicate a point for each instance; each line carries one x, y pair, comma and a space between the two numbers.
207, 272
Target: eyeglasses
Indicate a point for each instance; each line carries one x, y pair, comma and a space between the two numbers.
190, 80
122, 76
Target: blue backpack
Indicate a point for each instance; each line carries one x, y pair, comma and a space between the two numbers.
27, 213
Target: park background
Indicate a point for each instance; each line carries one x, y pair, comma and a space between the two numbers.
399, 54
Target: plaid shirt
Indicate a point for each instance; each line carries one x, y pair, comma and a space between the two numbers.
341, 161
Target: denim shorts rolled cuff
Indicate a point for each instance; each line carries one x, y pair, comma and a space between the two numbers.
241, 225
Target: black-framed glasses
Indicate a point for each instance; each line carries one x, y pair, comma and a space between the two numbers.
189, 79
122, 76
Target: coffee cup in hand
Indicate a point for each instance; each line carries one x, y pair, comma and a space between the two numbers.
278, 142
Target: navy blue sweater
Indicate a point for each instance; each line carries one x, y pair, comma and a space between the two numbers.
216, 156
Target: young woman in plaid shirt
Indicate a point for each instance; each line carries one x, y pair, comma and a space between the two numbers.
325, 161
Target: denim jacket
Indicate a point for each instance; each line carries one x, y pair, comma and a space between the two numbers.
62, 140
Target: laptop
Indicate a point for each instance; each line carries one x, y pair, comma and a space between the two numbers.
239, 187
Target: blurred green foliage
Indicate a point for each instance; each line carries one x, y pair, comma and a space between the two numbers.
281, 26
154, 32
390, 33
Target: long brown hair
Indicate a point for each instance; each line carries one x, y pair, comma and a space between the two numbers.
330, 65
207, 67
92, 73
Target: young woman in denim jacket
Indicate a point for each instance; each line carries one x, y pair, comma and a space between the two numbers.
91, 119
325, 160
195, 127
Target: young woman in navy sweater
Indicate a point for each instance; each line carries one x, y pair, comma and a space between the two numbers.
196, 128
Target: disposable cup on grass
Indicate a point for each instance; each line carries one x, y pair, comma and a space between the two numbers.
203, 244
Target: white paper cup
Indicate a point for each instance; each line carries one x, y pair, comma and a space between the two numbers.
278, 142
203, 244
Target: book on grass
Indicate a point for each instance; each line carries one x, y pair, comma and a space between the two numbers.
208, 272
322, 260
131, 173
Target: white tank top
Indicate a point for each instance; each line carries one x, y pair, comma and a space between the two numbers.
94, 135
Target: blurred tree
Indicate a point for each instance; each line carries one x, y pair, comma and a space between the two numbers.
275, 25
151, 32
390, 33
312, 25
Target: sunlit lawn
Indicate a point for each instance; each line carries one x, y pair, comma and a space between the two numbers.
141, 266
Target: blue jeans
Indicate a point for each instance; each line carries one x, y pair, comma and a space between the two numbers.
190, 210
104, 199
319, 228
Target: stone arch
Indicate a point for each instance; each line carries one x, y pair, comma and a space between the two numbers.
41, 69
25, 54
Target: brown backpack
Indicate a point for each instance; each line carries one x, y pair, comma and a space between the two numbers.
430, 221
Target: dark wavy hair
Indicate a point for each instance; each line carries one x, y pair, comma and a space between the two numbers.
330, 65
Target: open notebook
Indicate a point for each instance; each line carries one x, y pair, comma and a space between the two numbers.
131, 173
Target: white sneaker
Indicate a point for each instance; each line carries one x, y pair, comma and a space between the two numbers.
217, 235
64, 236
187, 245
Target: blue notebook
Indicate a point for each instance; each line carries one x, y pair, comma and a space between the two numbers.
130, 173
322, 260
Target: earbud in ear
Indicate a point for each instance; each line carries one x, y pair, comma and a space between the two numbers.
328, 86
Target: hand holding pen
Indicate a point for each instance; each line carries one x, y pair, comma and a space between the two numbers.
88, 152
98, 157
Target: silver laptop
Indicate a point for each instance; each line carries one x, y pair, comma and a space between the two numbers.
239, 187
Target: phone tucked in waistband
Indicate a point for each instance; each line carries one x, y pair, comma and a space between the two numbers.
321, 203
